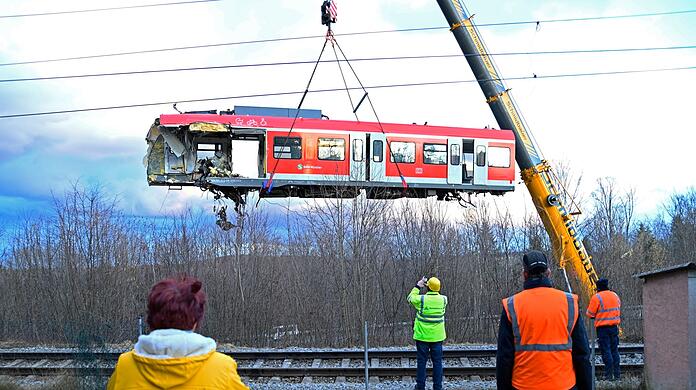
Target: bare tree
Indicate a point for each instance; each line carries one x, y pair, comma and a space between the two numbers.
311, 275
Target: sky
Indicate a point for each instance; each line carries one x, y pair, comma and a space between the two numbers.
634, 128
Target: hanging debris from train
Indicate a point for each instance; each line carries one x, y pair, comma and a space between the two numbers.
232, 153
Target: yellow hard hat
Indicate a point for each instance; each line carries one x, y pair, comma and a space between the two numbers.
433, 284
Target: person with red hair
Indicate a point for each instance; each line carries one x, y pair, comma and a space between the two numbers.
172, 356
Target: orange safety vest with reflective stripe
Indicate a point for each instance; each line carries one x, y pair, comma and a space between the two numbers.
605, 308
542, 321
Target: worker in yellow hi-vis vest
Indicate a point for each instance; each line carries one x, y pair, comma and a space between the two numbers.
428, 329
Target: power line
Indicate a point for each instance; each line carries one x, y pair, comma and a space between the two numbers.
105, 9
126, 53
626, 16
342, 89
395, 58
283, 39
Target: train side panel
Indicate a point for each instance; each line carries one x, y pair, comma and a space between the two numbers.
410, 156
208, 150
316, 155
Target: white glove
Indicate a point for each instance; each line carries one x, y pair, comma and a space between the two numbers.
421, 283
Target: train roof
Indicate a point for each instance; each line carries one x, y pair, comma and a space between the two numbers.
247, 121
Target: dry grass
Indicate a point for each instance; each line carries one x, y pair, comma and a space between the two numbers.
9, 386
626, 383
62, 383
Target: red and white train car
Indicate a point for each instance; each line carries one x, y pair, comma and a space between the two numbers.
327, 158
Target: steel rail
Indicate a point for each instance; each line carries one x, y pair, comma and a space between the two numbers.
280, 355
13, 363
286, 372
386, 371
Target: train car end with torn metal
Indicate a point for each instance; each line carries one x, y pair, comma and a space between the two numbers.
272, 151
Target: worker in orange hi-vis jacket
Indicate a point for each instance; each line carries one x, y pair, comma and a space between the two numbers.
542, 343
605, 308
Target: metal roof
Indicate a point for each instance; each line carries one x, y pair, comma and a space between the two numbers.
673, 268
275, 122
276, 111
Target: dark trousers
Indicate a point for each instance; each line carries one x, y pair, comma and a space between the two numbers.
608, 338
434, 352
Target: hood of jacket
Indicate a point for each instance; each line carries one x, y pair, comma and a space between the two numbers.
171, 357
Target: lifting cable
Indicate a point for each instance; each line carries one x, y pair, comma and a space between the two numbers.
340, 69
374, 111
327, 19
268, 184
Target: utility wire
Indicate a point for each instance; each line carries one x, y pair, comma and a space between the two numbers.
105, 9
626, 16
126, 53
342, 89
395, 58
282, 39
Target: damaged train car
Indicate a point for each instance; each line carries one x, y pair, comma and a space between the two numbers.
234, 152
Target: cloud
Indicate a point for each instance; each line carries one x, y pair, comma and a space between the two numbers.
630, 127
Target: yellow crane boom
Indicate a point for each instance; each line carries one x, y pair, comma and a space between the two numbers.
536, 172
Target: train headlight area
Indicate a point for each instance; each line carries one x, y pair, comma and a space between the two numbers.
236, 152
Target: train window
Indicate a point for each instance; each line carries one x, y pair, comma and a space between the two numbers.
357, 150
377, 151
332, 149
455, 156
435, 154
287, 148
403, 152
498, 157
481, 156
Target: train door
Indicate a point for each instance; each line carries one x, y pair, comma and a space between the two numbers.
357, 157
246, 156
467, 160
480, 162
454, 170
378, 157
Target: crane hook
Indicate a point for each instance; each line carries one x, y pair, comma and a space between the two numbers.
329, 12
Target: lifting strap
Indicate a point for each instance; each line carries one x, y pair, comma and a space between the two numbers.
374, 111
268, 184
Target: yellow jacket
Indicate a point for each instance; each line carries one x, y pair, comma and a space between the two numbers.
152, 368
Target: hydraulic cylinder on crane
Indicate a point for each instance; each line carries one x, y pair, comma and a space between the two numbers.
542, 184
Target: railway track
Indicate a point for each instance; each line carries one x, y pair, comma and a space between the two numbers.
285, 364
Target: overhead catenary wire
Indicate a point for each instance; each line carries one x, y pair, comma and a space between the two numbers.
590, 18
303, 62
283, 39
402, 85
125, 7
147, 51
502, 81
